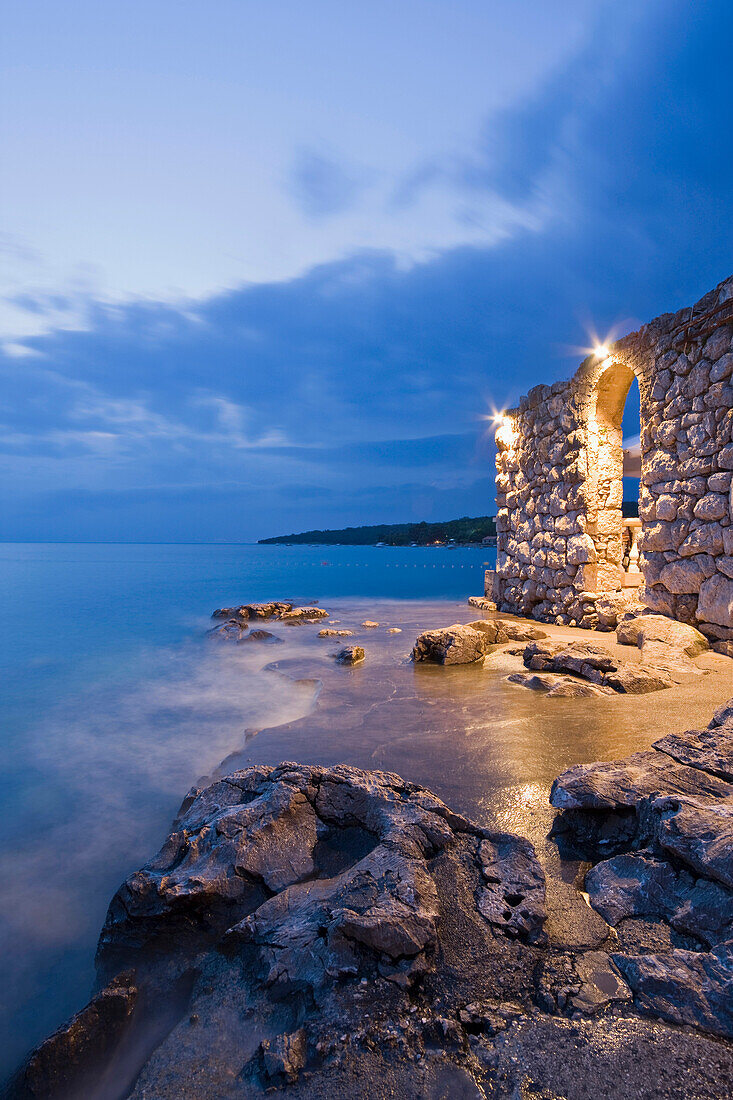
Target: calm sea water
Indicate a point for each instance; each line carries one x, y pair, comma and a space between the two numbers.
112, 703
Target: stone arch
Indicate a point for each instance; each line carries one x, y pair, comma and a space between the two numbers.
604, 484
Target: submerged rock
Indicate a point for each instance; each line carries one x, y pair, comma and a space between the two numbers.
329, 632
369, 624
453, 645
303, 614
233, 630
253, 610
262, 636
350, 655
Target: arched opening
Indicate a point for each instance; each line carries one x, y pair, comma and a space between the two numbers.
614, 470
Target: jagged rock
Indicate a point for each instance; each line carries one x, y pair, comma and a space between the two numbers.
645, 630
453, 645
513, 895
303, 614
537, 681
350, 655
686, 987
723, 715
505, 630
369, 624
253, 610
329, 632
246, 853
641, 884
303, 898
710, 750
668, 813
585, 660
64, 1065
232, 844
232, 630
284, 1056
617, 784
697, 833
568, 688
275, 608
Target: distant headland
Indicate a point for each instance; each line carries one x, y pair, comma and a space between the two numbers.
463, 531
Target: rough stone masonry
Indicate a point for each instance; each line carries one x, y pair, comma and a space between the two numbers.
559, 485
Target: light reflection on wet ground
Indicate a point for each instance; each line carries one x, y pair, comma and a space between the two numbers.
489, 748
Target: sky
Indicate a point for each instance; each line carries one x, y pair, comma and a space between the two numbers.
269, 267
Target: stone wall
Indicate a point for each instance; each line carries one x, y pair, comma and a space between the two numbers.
559, 480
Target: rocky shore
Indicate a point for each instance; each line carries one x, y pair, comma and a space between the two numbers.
340, 931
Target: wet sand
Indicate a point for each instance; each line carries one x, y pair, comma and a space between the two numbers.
488, 748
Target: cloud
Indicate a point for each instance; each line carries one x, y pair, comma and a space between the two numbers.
354, 392
321, 186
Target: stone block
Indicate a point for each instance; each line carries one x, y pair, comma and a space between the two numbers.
687, 574
707, 539
712, 506
715, 604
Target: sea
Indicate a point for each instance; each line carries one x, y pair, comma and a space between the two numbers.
113, 702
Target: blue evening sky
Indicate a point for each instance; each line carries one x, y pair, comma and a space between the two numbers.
266, 266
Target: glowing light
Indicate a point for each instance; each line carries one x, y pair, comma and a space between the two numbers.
601, 351
506, 435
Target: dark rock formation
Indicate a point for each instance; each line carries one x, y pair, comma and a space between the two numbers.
668, 816
292, 901
66, 1063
